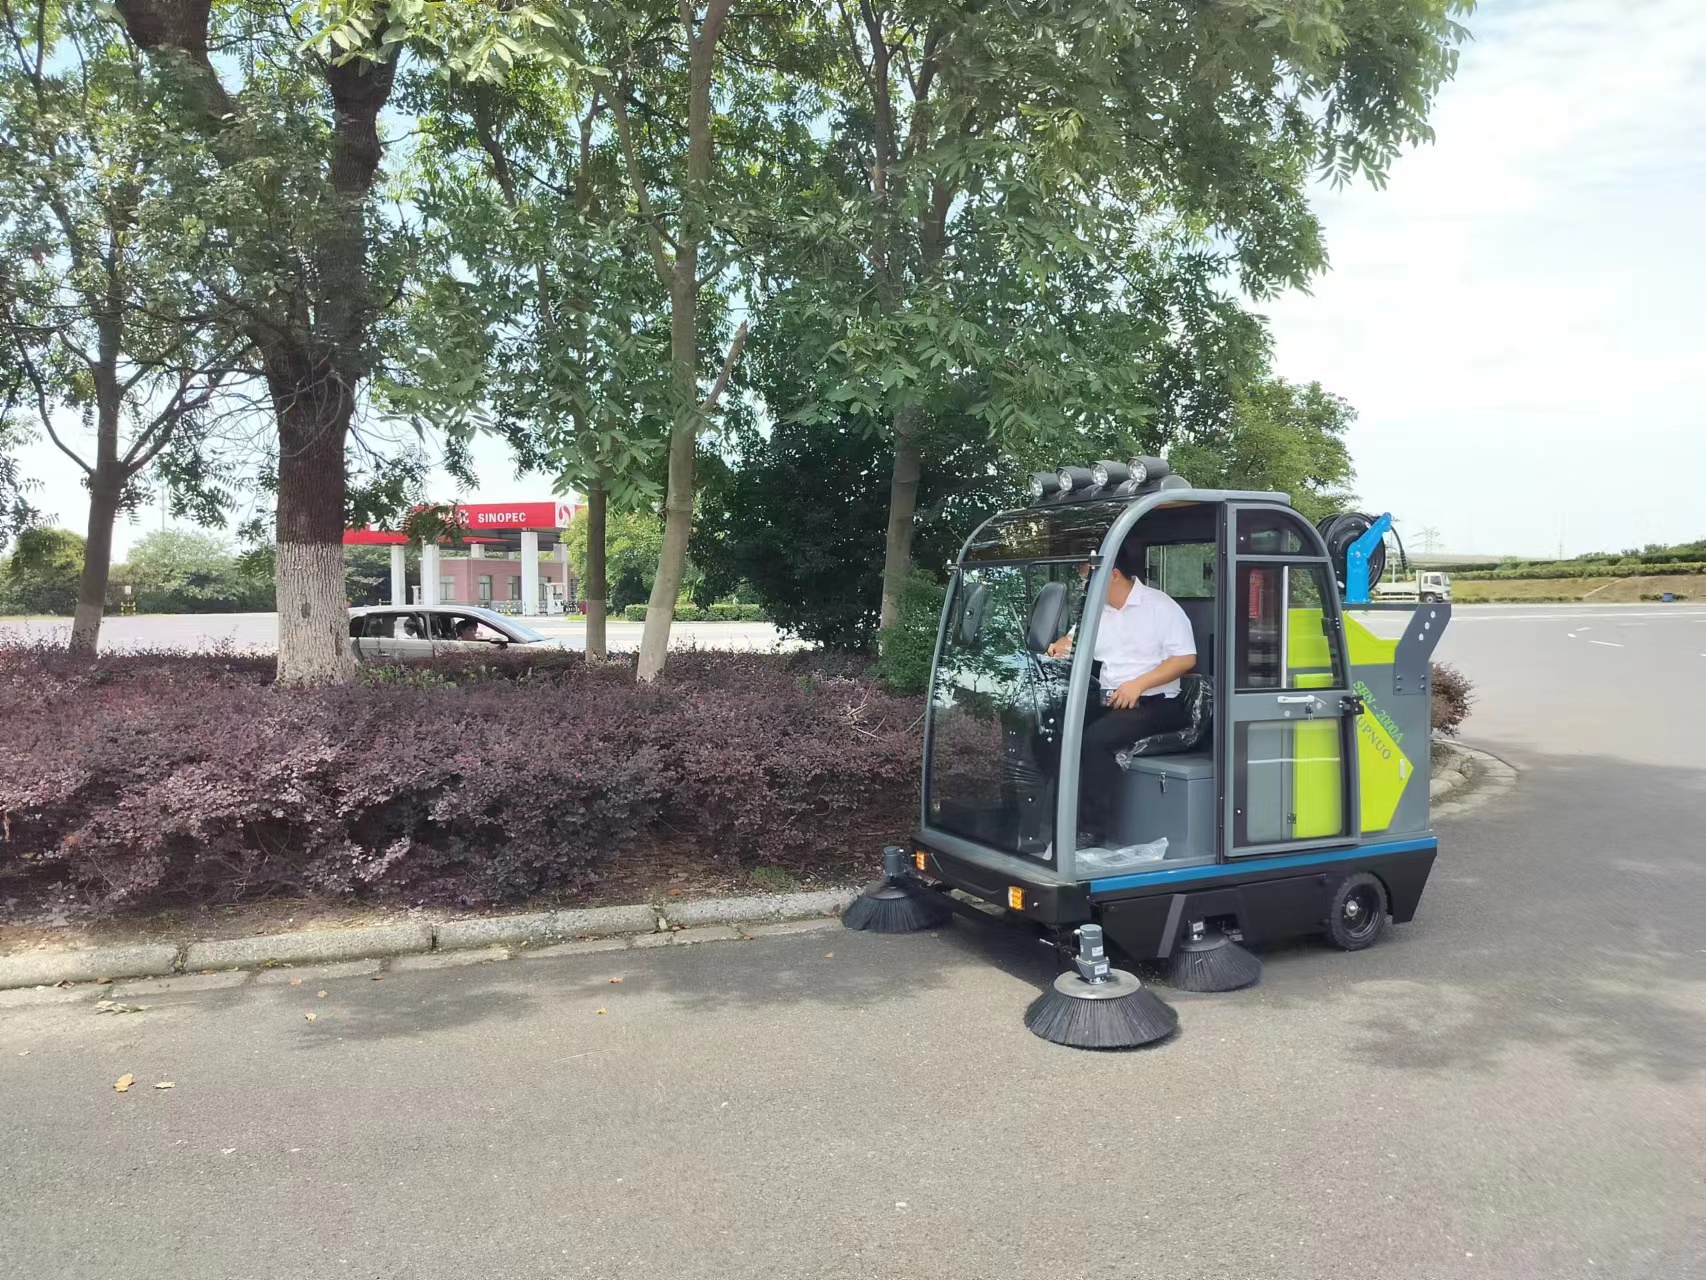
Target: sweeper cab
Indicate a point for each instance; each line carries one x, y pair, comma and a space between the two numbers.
1293, 801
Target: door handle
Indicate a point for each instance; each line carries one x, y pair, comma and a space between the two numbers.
1296, 699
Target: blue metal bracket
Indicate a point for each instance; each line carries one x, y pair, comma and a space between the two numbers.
1356, 560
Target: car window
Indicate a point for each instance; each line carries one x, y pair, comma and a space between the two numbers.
412, 628
466, 627
378, 626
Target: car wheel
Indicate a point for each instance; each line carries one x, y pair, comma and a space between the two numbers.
1430, 598
1358, 912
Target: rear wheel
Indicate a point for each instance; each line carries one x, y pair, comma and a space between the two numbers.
1358, 912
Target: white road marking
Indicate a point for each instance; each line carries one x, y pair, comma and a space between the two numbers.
1609, 644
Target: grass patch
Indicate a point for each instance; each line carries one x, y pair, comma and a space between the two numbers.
773, 880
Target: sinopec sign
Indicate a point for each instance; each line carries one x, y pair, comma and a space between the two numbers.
482, 517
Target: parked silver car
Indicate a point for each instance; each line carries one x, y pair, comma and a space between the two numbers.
401, 632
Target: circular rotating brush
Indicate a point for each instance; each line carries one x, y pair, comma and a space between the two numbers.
1093, 1006
1211, 961
898, 903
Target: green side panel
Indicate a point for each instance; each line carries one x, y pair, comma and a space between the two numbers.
1318, 774
1306, 644
1366, 648
1385, 771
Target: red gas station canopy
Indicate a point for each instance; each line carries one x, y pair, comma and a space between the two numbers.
484, 517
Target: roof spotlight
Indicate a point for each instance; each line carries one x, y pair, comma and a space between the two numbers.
1044, 484
1144, 470
1106, 473
1072, 478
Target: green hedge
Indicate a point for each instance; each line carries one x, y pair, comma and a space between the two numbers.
1579, 569
693, 613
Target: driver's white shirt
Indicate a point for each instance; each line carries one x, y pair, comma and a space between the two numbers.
1140, 635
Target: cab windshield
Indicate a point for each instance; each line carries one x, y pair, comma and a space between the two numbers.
996, 708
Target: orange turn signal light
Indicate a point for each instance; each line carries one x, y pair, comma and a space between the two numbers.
1015, 897
918, 857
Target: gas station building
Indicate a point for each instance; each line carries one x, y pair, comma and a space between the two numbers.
503, 568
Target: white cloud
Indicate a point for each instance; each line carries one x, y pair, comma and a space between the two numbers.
1517, 315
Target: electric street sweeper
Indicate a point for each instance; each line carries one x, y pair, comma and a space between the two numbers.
1289, 796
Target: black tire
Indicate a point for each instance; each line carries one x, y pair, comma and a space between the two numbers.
1430, 598
1358, 913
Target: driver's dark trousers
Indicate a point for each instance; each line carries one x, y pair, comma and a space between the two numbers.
1108, 731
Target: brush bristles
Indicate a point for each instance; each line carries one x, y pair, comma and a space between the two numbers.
918, 908
1223, 968
1139, 1018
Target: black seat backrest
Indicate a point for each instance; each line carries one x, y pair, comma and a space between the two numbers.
1201, 614
1196, 697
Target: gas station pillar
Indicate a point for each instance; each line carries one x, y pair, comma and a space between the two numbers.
399, 575
529, 572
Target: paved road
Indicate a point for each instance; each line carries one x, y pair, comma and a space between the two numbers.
258, 632
1512, 1086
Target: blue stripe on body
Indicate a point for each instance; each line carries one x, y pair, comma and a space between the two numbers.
1227, 870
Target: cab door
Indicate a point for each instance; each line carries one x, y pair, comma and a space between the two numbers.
1287, 742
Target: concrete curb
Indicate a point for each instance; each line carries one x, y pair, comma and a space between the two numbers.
480, 939
1483, 778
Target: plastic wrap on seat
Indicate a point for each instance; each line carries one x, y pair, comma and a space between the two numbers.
1197, 696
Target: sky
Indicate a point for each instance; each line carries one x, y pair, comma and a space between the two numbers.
1517, 316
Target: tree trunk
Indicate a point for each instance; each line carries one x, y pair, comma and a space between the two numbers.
903, 504
313, 412
104, 493
683, 455
597, 585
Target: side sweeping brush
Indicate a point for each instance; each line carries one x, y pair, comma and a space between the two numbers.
898, 903
1094, 1006
1211, 962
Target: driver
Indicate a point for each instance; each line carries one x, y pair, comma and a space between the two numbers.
1144, 643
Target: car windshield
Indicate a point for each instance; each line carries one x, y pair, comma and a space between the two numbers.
506, 626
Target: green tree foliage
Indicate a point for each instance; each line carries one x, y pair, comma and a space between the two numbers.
103, 309
17, 513
180, 571
633, 540
989, 167
541, 316
40, 576
283, 147
1278, 436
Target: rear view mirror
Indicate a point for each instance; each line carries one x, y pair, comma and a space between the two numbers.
971, 616
1048, 612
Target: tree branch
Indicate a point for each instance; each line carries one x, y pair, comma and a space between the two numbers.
619, 106
735, 348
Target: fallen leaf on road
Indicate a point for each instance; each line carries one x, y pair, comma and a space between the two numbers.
123, 1083
310, 1016
379, 977
675, 893
117, 1006
23, 1053
225, 1151
296, 982
616, 979
603, 1011
321, 994
101, 982
829, 955
166, 1084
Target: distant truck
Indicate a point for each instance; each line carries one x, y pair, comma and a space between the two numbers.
1426, 586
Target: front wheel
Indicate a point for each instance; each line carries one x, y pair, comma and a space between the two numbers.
1358, 912
1430, 598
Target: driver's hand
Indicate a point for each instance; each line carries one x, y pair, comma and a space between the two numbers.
1061, 647
1126, 696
